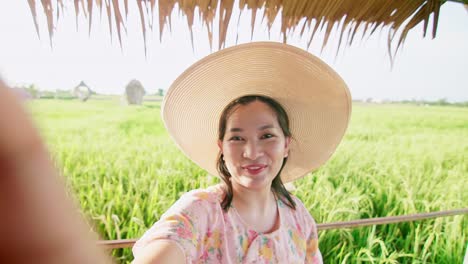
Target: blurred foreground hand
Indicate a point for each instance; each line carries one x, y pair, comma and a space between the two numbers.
38, 222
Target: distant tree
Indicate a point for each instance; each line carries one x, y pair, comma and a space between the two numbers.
161, 92
33, 91
46, 95
442, 101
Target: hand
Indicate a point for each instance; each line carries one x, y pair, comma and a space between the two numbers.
39, 223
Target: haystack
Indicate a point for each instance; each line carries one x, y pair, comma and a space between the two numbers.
134, 92
82, 91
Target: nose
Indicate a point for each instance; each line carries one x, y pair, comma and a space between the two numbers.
252, 150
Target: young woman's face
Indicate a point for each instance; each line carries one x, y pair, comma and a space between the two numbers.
254, 145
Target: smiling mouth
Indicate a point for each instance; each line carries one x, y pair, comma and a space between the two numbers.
254, 169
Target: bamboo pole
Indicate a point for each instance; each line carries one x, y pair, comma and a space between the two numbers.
126, 243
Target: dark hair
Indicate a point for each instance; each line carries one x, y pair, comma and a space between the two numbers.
277, 185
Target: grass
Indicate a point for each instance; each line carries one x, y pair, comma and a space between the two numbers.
395, 159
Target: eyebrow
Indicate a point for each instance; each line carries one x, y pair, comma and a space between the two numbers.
236, 129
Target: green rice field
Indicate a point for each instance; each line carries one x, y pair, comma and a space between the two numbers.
395, 159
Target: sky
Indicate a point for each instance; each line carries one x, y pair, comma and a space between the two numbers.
425, 68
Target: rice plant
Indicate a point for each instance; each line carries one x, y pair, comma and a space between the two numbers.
125, 171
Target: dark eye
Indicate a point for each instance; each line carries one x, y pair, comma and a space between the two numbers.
267, 136
235, 138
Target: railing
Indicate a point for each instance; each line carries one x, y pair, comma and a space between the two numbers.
126, 243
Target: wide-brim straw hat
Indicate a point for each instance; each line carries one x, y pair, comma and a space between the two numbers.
315, 97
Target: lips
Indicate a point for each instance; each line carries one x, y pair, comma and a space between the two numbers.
254, 168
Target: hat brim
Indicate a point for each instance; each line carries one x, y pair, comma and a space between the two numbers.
315, 97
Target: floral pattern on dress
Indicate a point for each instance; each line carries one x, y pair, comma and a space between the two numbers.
208, 234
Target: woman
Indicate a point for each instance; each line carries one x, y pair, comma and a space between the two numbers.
256, 115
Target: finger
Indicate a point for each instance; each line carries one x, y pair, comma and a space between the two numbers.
17, 135
38, 222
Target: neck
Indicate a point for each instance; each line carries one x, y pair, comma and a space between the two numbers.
257, 208
258, 202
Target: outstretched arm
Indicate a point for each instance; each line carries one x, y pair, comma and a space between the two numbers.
161, 252
38, 222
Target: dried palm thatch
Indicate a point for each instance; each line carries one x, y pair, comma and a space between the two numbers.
399, 16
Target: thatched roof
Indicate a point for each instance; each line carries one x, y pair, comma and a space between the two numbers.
399, 16
82, 84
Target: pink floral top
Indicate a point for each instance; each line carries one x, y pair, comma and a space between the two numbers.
207, 234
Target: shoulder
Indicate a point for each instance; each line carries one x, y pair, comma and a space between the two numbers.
300, 207
301, 215
199, 204
306, 225
210, 195
208, 198
186, 222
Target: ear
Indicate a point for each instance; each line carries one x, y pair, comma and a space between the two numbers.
287, 143
220, 145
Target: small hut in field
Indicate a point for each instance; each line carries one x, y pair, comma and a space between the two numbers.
134, 92
82, 91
